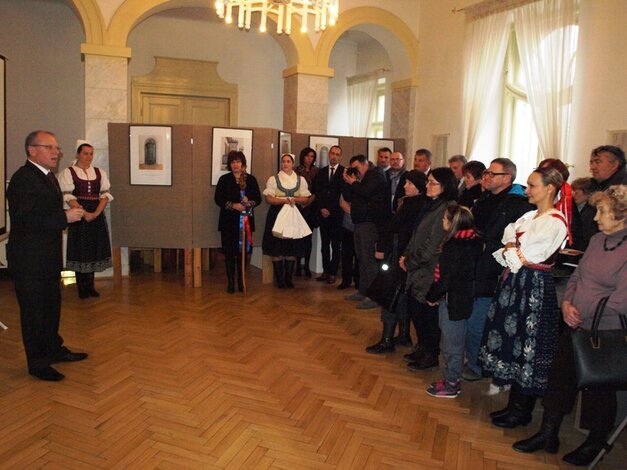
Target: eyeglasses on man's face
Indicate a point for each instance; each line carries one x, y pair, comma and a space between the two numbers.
492, 174
49, 147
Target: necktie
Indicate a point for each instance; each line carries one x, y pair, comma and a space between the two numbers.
331, 175
53, 181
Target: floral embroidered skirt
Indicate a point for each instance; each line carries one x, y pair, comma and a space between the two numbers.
521, 334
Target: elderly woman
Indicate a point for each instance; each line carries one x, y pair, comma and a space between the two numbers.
308, 170
602, 272
521, 333
419, 260
237, 194
88, 245
287, 187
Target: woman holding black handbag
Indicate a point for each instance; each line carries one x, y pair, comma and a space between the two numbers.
602, 272
393, 241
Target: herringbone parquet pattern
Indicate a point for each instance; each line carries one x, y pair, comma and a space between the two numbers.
194, 378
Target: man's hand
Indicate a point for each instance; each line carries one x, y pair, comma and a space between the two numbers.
325, 212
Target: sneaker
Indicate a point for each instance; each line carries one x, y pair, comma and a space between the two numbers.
470, 375
356, 296
444, 389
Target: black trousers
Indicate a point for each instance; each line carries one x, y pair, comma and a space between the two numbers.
331, 243
40, 314
598, 407
350, 265
425, 320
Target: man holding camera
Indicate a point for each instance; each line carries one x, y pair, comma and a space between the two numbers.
369, 194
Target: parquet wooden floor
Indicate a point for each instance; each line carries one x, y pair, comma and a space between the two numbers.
194, 378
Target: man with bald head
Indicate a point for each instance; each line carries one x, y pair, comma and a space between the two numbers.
34, 254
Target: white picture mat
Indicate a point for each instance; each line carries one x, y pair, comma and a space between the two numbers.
141, 173
225, 140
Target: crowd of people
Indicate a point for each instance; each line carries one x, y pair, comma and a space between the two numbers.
469, 252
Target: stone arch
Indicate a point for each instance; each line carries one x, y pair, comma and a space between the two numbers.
369, 16
91, 18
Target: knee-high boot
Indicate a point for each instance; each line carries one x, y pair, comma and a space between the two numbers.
279, 276
519, 409
91, 290
229, 261
546, 438
81, 284
404, 336
289, 272
387, 343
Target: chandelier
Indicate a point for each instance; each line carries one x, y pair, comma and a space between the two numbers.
324, 12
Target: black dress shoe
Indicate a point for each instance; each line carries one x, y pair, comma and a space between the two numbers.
330, 280
585, 453
427, 361
49, 374
383, 346
70, 357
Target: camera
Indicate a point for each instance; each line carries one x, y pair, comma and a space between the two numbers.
352, 172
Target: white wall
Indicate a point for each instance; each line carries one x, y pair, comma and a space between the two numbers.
45, 75
252, 60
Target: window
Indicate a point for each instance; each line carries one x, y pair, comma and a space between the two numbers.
518, 137
378, 112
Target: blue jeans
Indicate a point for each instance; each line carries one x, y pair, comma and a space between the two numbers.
474, 332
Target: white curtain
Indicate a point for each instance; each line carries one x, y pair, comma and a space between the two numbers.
486, 43
361, 100
547, 40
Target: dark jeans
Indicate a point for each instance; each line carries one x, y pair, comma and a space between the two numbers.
331, 243
350, 265
425, 320
365, 239
598, 407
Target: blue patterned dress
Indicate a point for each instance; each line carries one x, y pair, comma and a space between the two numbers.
521, 334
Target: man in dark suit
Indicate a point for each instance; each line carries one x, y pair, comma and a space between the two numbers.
328, 189
34, 254
396, 176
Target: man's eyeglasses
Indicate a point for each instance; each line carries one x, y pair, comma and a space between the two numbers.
492, 174
47, 146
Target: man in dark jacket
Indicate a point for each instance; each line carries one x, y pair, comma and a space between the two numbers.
501, 204
34, 254
369, 195
327, 188
607, 166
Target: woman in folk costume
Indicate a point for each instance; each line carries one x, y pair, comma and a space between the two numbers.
237, 194
88, 245
522, 330
287, 187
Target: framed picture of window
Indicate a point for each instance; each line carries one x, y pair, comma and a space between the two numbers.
151, 155
375, 144
285, 146
322, 144
226, 140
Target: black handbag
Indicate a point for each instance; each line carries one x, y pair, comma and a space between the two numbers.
601, 355
387, 287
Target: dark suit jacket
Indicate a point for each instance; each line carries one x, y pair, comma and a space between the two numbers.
37, 223
400, 188
328, 192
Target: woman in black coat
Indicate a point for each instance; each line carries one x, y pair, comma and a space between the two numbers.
237, 194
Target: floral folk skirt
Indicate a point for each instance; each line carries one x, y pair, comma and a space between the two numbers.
521, 334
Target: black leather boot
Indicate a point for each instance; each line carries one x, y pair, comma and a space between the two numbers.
81, 285
504, 411
229, 262
89, 285
306, 269
386, 344
404, 336
415, 356
428, 361
289, 272
546, 438
519, 413
587, 452
279, 274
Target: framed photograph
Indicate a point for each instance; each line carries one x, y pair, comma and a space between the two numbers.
285, 146
322, 144
375, 144
224, 141
151, 155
